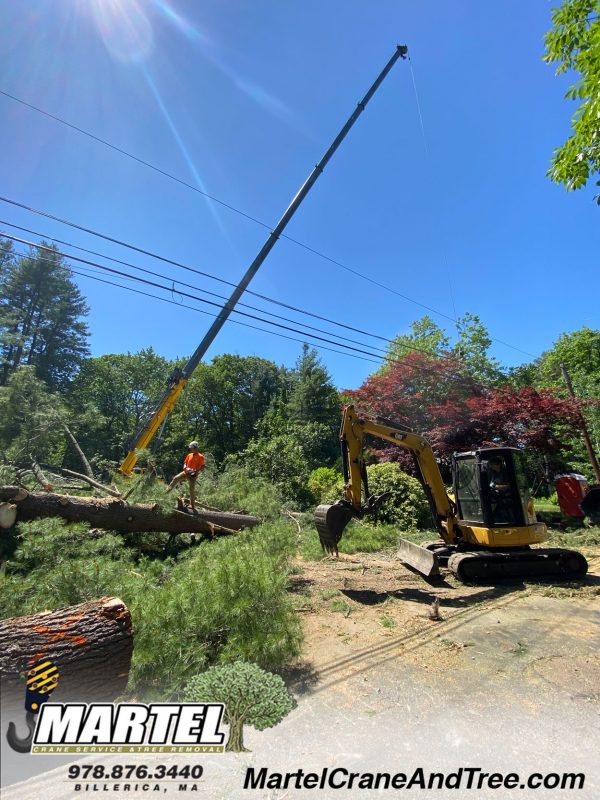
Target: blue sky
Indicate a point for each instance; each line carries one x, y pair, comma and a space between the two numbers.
242, 99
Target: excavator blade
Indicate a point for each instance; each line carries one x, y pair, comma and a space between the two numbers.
330, 521
424, 561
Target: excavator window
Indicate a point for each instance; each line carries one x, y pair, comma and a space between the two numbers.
467, 490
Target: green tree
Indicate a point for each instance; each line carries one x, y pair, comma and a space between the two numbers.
313, 396
30, 418
41, 312
574, 43
579, 351
472, 348
222, 405
425, 336
251, 696
121, 390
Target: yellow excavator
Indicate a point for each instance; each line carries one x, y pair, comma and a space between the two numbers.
487, 527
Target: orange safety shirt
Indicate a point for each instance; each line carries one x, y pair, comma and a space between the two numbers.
194, 461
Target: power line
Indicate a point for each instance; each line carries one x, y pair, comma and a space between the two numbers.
170, 261
230, 207
173, 288
187, 294
181, 283
389, 359
377, 359
318, 346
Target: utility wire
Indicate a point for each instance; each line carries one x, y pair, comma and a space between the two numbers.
430, 371
171, 262
183, 283
168, 288
166, 260
377, 359
230, 207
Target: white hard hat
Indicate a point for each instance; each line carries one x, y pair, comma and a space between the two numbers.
193, 444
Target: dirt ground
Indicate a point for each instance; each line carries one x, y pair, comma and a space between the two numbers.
361, 610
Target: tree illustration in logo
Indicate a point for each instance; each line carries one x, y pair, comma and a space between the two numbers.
251, 696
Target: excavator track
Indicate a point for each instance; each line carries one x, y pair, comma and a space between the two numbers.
550, 562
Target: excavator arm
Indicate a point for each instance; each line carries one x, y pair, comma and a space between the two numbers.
331, 520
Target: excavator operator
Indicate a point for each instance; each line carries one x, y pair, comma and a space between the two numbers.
500, 491
192, 466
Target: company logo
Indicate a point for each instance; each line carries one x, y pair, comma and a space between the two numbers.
42, 680
129, 728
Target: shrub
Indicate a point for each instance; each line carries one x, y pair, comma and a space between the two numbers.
251, 696
407, 505
326, 485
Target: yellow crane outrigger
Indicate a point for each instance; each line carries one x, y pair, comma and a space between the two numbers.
485, 530
179, 378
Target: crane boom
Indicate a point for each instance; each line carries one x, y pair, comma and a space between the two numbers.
179, 378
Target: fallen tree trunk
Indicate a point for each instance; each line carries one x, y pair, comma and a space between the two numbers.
117, 515
90, 644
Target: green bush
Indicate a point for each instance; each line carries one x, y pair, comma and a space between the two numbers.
407, 506
326, 485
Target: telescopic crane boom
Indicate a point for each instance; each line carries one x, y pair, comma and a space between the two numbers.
179, 378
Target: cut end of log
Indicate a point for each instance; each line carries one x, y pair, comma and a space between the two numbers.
8, 515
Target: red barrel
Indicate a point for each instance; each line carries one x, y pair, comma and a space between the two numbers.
571, 489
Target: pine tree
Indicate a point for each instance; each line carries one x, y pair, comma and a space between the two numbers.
313, 398
40, 316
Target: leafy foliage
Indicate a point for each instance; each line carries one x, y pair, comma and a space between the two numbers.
115, 393
425, 337
251, 696
30, 418
574, 44
326, 484
222, 405
407, 505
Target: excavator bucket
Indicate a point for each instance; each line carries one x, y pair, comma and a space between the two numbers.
424, 561
330, 521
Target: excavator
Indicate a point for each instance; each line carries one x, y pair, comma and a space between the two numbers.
486, 526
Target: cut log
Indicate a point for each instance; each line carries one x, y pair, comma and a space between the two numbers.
90, 644
116, 515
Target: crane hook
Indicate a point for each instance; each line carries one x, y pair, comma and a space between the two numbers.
18, 744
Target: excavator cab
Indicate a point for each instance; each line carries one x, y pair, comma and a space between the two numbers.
490, 488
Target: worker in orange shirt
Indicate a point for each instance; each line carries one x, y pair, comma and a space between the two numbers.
192, 467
